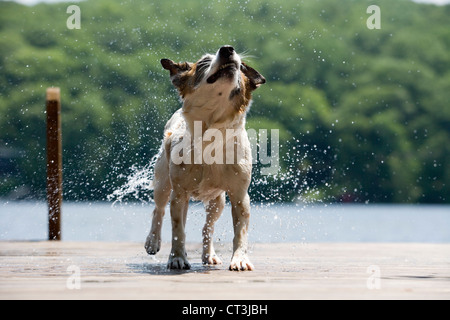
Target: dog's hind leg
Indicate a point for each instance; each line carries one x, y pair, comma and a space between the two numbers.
214, 210
162, 190
241, 219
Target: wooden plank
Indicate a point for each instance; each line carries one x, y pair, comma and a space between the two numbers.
49, 270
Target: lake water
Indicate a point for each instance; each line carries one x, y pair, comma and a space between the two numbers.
269, 223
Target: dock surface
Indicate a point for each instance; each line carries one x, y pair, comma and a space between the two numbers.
106, 270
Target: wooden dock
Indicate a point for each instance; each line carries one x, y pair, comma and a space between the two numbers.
99, 270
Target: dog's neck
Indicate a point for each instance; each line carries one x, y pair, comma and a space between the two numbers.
216, 112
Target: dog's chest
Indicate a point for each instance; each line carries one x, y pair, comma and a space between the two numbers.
210, 185
210, 181
207, 182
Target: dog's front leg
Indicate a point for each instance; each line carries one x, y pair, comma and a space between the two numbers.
214, 210
241, 219
178, 211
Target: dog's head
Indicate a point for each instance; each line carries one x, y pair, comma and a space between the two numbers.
221, 76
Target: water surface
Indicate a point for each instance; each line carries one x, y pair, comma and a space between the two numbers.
269, 223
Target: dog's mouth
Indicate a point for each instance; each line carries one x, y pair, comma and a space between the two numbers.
226, 70
228, 62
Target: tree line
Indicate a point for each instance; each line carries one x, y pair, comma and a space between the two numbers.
363, 114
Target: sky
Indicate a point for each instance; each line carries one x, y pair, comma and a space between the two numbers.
32, 2
439, 2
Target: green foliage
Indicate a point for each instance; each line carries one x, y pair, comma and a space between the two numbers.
363, 114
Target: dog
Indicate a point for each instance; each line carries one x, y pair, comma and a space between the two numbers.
216, 93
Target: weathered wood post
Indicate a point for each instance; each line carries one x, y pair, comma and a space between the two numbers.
54, 163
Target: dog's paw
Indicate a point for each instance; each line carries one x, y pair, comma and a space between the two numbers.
153, 244
241, 263
211, 259
178, 262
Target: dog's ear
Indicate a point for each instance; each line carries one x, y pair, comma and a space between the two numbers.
256, 79
177, 71
175, 68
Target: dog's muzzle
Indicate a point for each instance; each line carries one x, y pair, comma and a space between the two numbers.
225, 53
227, 64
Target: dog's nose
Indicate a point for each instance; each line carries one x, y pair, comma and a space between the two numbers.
226, 51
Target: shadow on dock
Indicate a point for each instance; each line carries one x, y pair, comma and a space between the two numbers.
162, 270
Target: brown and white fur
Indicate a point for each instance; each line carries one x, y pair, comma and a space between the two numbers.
216, 91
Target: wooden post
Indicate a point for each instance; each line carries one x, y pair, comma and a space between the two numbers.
54, 163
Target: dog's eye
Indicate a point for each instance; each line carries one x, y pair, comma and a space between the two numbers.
204, 63
202, 67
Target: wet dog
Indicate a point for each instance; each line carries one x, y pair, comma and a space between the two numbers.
206, 154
